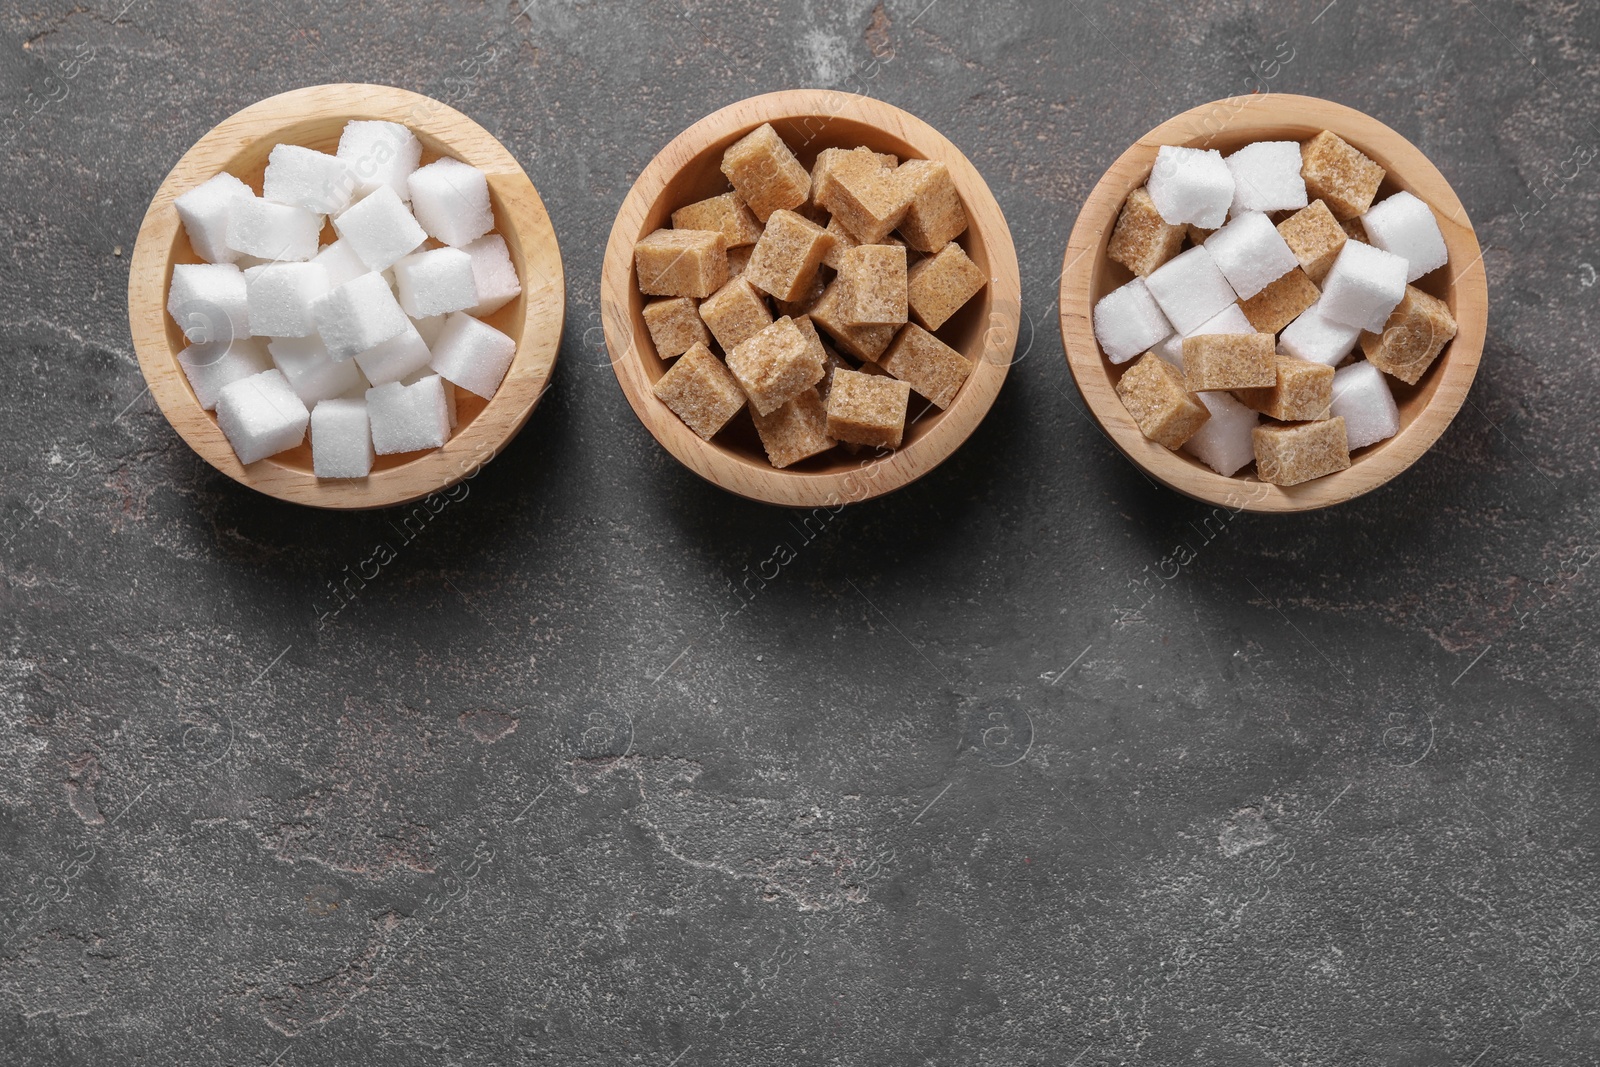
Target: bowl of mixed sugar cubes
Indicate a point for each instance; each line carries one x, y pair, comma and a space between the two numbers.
1280, 306
362, 341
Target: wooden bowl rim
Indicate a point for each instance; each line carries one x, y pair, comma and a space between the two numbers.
753, 479
1457, 366
519, 207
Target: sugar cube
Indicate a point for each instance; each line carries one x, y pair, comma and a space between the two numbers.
873, 285
1364, 286
862, 342
311, 372
398, 358
1228, 361
407, 418
727, 214
787, 256
1302, 392
1190, 289
927, 364
933, 213
701, 391
675, 325
1224, 442
435, 282
940, 285
867, 409
279, 232
765, 173
1280, 303
1162, 406
380, 154
1339, 174
822, 170
1315, 237
1315, 337
305, 178
212, 365
359, 314
340, 262
1405, 226
493, 274
451, 201
866, 197
341, 439
775, 364
1266, 177
283, 298
473, 354
1288, 454
1191, 185
681, 263
734, 313
261, 416
450, 391
1142, 239
1128, 320
204, 211
795, 431
1250, 253
379, 228
210, 302
1413, 336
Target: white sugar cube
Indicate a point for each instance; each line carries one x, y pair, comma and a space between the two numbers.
430, 327
1362, 397
1316, 337
1127, 321
473, 354
1190, 289
449, 392
1251, 253
493, 274
209, 367
341, 263
311, 372
1191, 185
380, 154
406, 418
210, 302
379, 228
261, 416
279, 232
358, 315
204, 211
306, 178
1363, 286
1266, 177
284, 297
451, 200
1405, 226
341, 439
1230, 320
435, 282
395, 359
1224, 442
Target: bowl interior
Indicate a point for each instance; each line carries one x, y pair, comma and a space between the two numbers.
807, 135
249, 163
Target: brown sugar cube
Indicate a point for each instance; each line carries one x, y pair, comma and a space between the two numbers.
1143, 240
1154, 393
934, 216
941, 285
865, 197
735, 312
674, 326
927, 364
1302, 392
1280, 303
1229, 361
765, 173
788, 254
867, 409
821, 170
862, 342
701, 391
1301, 451
739, 259
873, 281
1315, 237
775, 364
681, 263
726, 214
806, 301
1338, 174
796, 431
1417, 331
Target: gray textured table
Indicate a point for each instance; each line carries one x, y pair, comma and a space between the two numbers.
580, 777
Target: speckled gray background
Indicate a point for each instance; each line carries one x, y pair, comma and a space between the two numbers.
976, 778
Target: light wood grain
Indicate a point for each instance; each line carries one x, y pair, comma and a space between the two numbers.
314, 117
809, 120
1425, 408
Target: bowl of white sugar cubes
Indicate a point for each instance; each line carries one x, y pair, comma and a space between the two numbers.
1273, 303
348, 296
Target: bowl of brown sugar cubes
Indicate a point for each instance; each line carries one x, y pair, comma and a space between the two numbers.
810, 298
348, 296
1273, 303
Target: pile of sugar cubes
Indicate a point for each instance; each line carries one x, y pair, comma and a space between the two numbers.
1290, 266
862, 246
364, 340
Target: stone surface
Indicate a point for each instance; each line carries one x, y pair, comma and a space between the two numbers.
594, 763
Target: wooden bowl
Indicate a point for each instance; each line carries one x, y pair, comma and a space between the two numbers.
1425, 408
314, 117
985, 331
